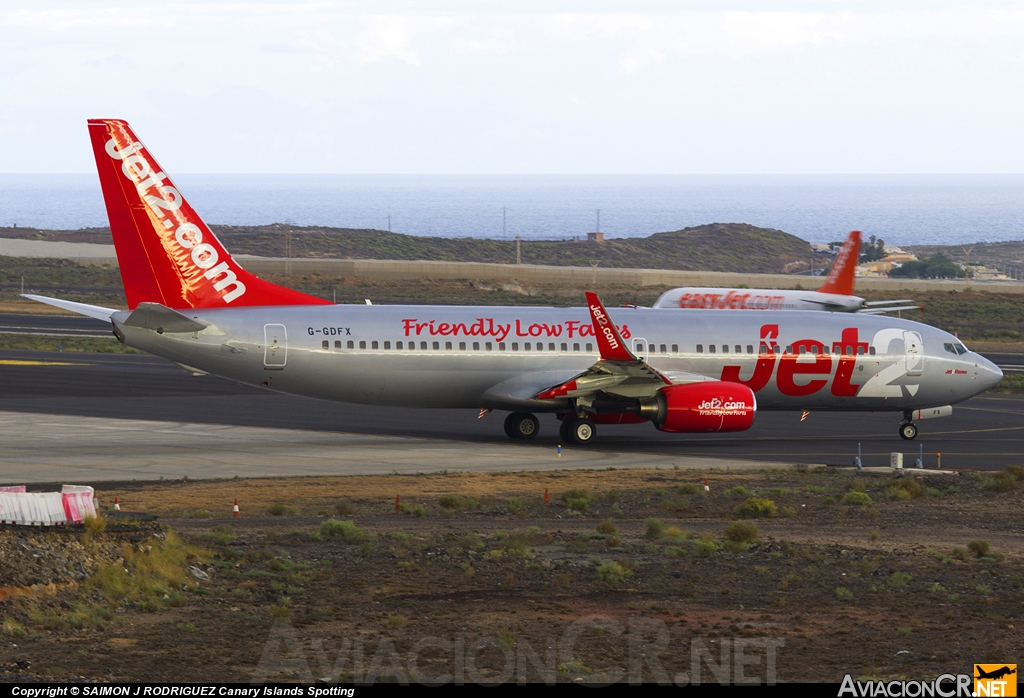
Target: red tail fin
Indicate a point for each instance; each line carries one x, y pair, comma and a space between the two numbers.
609, 342
844, 269
166, 253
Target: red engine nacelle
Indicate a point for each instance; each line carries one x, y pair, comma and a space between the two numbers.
709, 406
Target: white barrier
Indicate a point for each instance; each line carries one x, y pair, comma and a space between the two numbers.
78, 503
23, 508
13, 488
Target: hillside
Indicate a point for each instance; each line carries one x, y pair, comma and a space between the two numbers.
992, 254
734, 247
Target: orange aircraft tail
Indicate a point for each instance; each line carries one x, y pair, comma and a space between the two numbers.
844, 269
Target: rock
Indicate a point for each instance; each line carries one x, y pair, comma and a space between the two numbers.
198, 573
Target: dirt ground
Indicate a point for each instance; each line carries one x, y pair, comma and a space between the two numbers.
621, 575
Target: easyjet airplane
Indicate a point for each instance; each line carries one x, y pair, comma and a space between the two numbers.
683, 371
835, 295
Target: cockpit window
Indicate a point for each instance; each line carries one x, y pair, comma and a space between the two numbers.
955, 348
960, 348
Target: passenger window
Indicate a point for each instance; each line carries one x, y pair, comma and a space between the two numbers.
515, 346
487, 346
711, 348
725, 348
350, 344
447, 346
750, 348
700, 348
476, 346
565, 347
860, 351
762, 349
436, 345
412, 346
398, 345
789, 348
362, 344
849, 351
739, 349
462, 346
775, 349
326, 344
551, 346
675, 348
337, 344
527, 346
387, 345
575, 346
824, 350
590, 347
501, 346
803, 350
423, 346
374, 345
871, 350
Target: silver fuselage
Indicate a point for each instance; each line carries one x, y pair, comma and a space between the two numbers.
450, 356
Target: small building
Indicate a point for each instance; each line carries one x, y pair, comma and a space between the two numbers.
595, 237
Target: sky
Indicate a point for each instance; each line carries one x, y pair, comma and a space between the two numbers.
648, 86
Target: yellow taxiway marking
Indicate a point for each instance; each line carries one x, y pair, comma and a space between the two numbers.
15, 362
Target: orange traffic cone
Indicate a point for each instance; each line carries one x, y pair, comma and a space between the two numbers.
398, 503
117, 505
547, 499
706, 487
234, 511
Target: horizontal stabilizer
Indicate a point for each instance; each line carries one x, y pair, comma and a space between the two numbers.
153, 316
94, 311
873, 304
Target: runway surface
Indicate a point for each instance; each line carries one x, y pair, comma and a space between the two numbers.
167, 419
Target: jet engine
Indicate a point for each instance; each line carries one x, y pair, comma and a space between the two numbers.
696, 407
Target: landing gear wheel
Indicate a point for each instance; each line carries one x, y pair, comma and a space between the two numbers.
908, 431
580, 430
521, 425
563, 429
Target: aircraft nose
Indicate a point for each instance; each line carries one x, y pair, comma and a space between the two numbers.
988, 373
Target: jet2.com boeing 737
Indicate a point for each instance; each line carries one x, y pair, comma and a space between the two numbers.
682, 370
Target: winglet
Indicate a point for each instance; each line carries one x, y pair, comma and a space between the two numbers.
609, 342
844, 269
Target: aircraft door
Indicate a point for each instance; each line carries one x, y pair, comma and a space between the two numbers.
641, 348
275, 352
915, 354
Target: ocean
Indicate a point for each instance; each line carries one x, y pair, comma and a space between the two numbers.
902, 209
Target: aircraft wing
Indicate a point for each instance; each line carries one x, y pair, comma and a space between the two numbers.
618, 371
889, 309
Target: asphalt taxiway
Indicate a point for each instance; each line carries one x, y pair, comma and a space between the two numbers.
68, 416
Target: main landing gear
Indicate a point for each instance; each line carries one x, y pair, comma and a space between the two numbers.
908, 431
521, 425
577, 430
